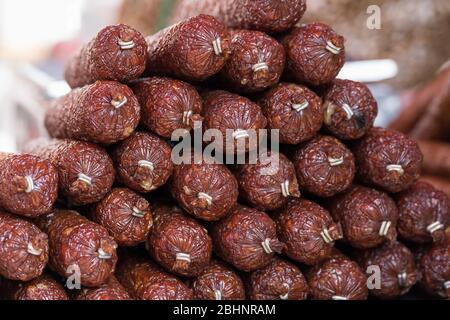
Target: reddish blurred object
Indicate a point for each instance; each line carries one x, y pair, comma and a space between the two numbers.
438, 182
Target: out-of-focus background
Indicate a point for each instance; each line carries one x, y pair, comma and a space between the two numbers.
37, 37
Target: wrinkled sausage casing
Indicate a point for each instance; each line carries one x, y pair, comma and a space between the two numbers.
24, 248
28, 184
85, 171
43, 287
145, 281
126, 215
117, 53
207, 191
397, 267
324, 166
256, 62
224, 110
268, 185
179, 243
368, 217
388, 159
271, 16
350, 109
294, 110
103, 112
110, 290
308, 231
337, 279
167, 105
246, 239
280, 280
143, 162
435, 268
78, 245
424, 213
191, 50
218, 282
315, 53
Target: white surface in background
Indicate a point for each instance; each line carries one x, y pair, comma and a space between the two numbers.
7, 110
369, 70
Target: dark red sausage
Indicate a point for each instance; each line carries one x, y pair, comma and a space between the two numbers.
350, 109
308, 231
280, 280
126, 215
368, 217
77, 244
388, 159
191, 50
206, 191
218, 282
111, 290
23, 248
398, 271
145, 281
246, 239
41, 288
117, 53
315, 53
435, 268
424, 213
294, 110
272, 16
86, 172
324, 166
28, 184
179, 243
103, 112
256, 62
143, 162
167, 104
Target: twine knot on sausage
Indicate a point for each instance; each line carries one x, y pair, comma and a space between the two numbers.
402, 279
333, 48
239, 134
125, 45
447, 284
138, 213
119, 103
102, 254
218, 294
285, 189
325, 233
266, 246
338, 298
348, 110
206, 197
85, 178
217, 46
146, 164
435, 226
187, 117
300, 106
395, 167
260, 66
286, 295
33, 251
183, 257
384, 229
334, 162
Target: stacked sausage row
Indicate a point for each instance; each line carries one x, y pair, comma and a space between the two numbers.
129, 223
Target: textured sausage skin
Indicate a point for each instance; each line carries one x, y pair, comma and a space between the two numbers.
368, 217
23, 248
315, 53
420, 208
207, 191
117, 53
126, 215
41, 288
111, 290
77, 242
350, 109
256, 62
179, 243
294, 110
308, 231
271, 16
337, 279
246, 239
103, 112
388, 159
324, 166
218, 282
435, 268
191, 50
280, 280
267, 185
145, 281
28, 184
397, 267
167, 104
224, 110
143, 162
85, 171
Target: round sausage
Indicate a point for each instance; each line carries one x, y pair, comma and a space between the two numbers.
435, 268
43, 287
111, 290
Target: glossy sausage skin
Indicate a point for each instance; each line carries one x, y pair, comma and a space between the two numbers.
111, 290
28, 184
191, 50
44, 287
103, 112
435, 268
117, 53
24, 249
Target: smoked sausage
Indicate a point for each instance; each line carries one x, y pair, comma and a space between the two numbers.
44, 287
110, 290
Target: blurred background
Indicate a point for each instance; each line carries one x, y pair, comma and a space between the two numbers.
411, 83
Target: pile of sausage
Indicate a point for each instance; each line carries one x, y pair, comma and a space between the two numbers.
101, 210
